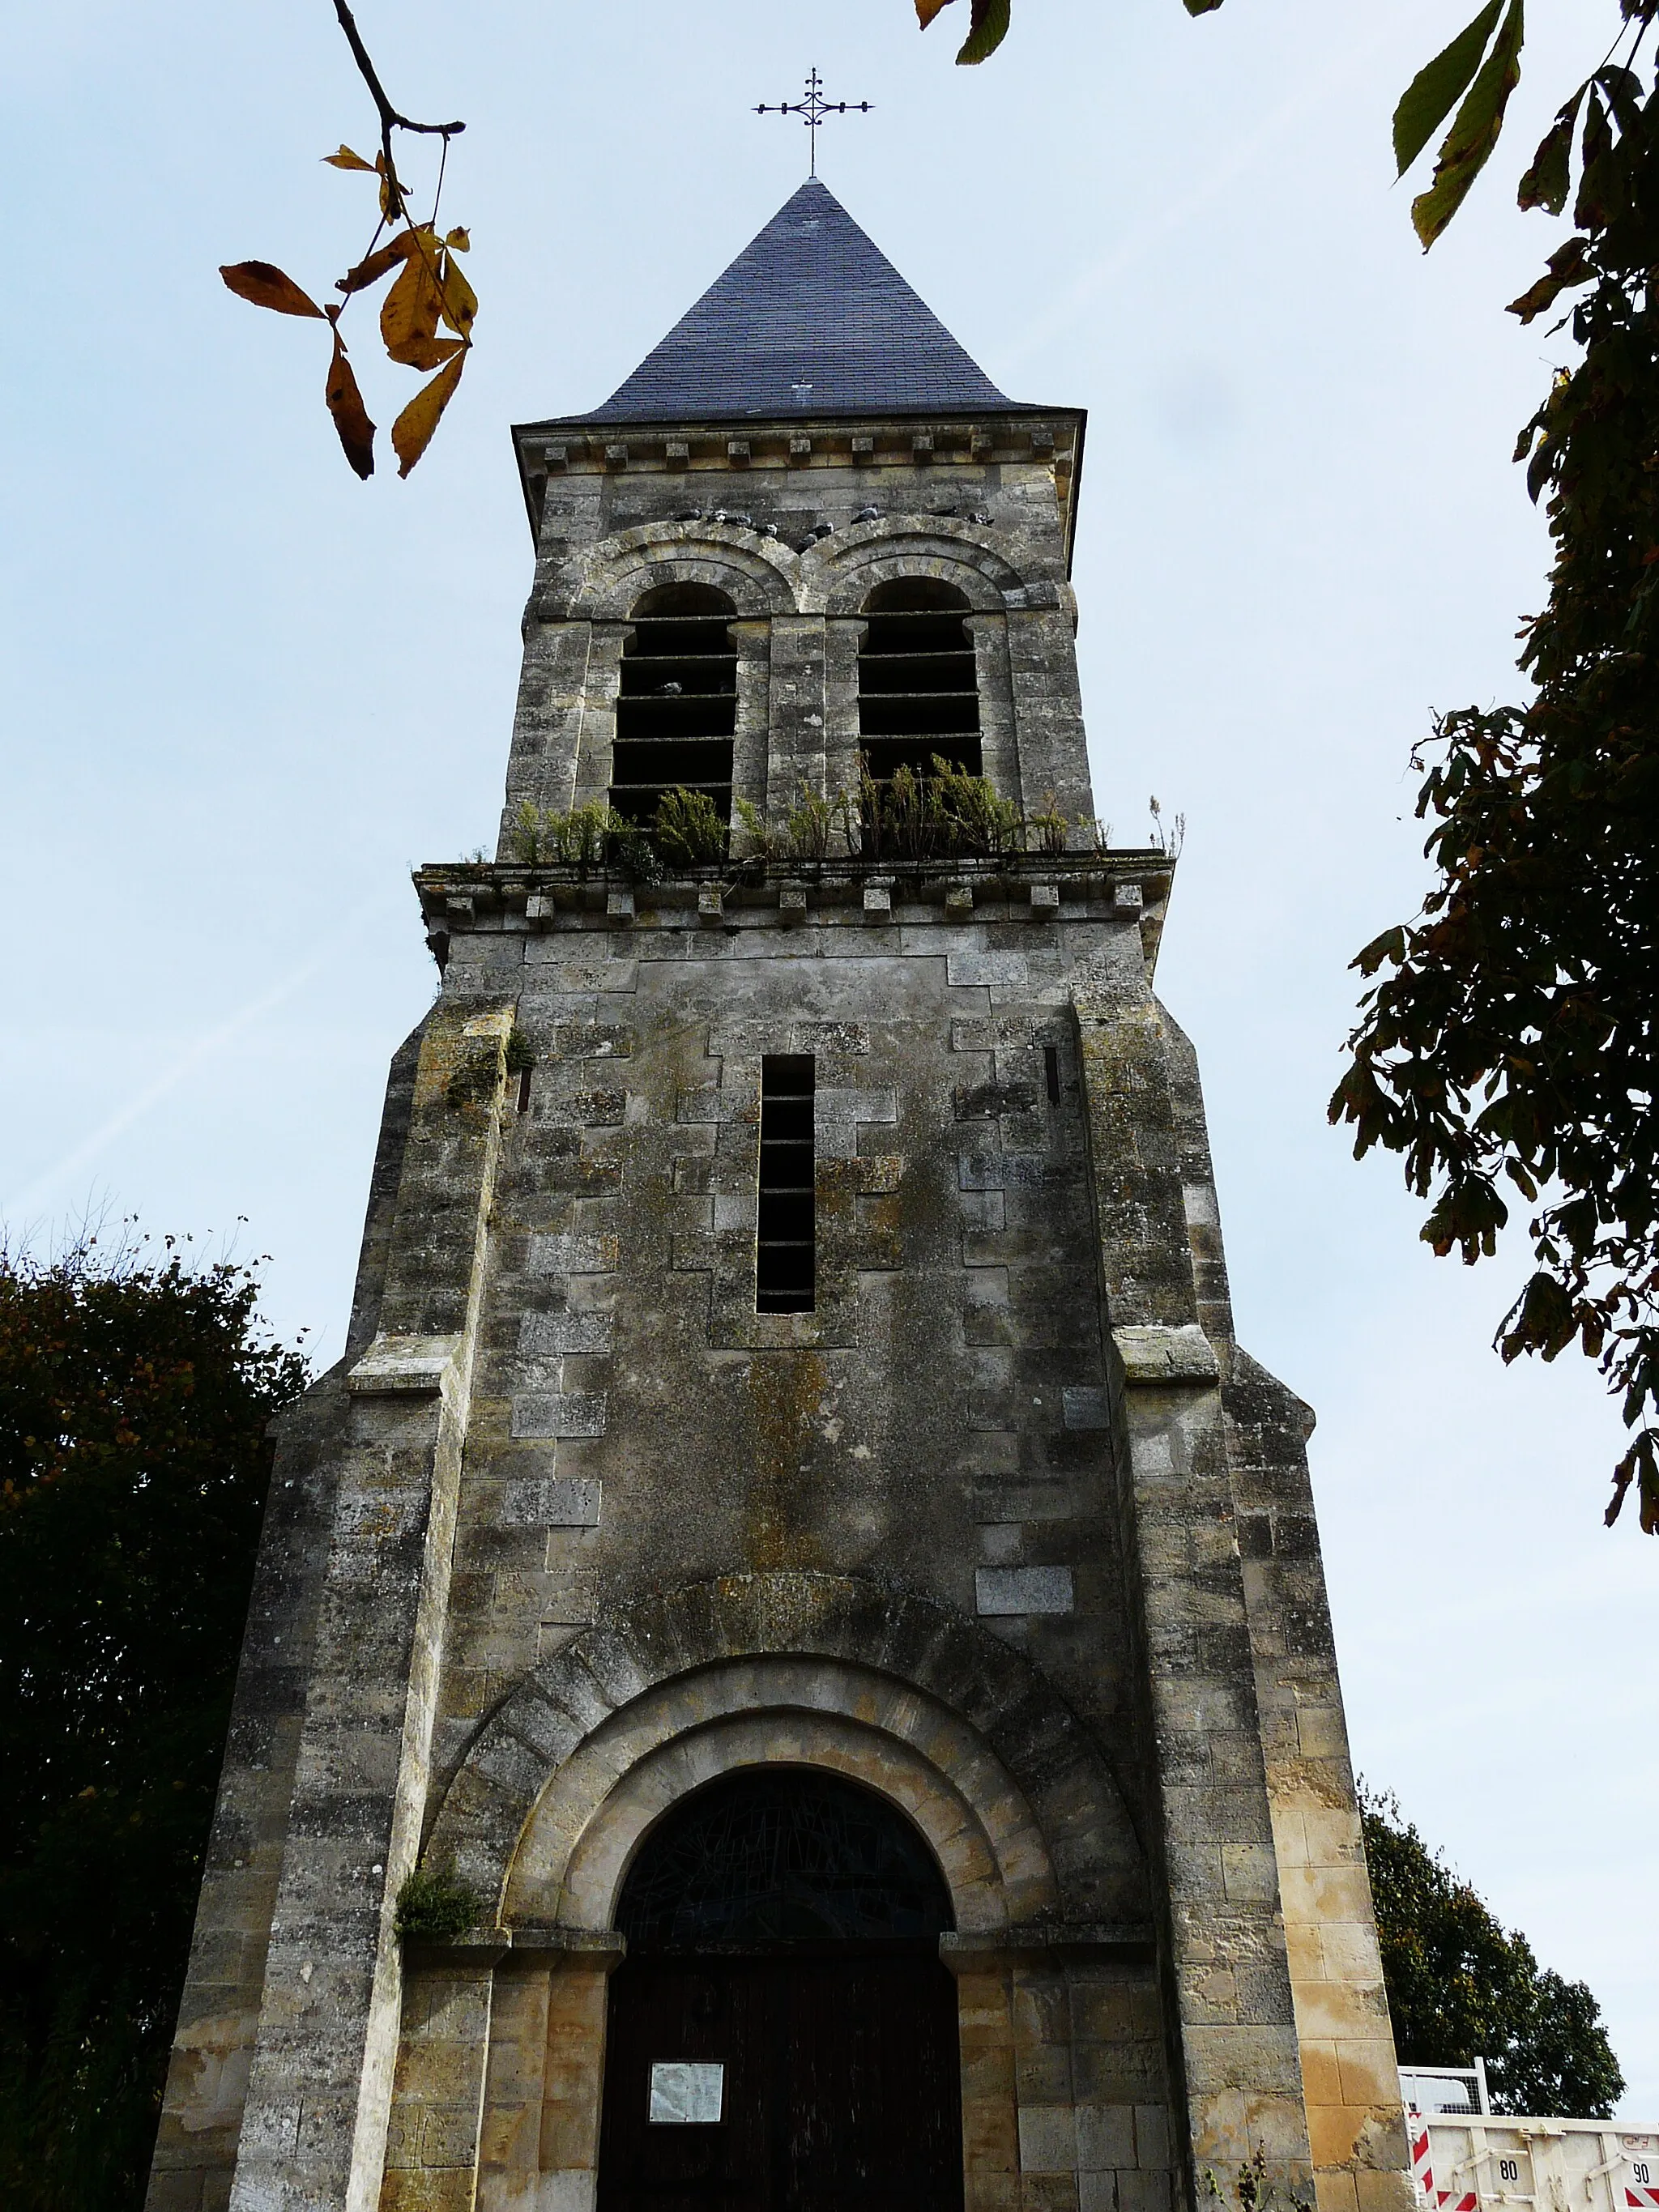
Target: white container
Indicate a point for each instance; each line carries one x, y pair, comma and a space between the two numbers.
1474, 2162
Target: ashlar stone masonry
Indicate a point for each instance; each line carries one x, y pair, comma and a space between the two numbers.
1006, 1527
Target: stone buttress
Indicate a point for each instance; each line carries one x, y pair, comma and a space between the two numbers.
1005, 1527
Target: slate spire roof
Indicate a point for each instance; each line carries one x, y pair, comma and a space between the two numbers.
810, 318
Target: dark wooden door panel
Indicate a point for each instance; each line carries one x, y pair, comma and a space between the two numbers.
874, 2081
842, 2089
667, 2011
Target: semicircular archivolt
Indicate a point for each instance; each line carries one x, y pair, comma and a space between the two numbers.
617, 569
900, 1645
599, 1805
838, 573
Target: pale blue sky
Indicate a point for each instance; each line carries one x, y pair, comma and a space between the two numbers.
245, 693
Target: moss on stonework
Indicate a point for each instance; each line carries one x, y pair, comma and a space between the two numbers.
435, 1905
477, 1079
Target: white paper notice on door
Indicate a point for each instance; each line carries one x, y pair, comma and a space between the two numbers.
686, 2092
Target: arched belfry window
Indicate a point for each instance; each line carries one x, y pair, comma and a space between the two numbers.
918, 686
782, 1855
676, 707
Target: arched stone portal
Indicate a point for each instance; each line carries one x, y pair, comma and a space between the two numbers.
782, 2032
1053, 2010
790, 1650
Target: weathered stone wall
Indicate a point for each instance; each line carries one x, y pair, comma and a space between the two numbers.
799, 545
634, 1420
1350, 2082
1006, 1527
219, 2017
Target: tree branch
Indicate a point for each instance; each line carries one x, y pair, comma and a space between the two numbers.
391, 119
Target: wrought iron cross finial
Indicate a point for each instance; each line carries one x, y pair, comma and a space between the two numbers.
813, 109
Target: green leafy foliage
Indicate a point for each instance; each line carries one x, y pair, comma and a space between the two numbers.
987, 25
1508, 1044
805, 834
688, 830
1481, 68
1467, 145
134, 1396
580, 837
1429, 97
946, 815
987, 28
1475, 73
1460, 1987
435, 1905
1546, 182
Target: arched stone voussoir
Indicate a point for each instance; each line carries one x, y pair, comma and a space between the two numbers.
592, 1702
777, 1711
761, 576
837, 574
604, 1664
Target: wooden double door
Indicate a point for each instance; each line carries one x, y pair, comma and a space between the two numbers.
790, 2079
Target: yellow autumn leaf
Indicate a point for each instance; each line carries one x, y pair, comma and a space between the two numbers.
345, 159
410, 313
458, 238
460, 301
371, 269
412, 433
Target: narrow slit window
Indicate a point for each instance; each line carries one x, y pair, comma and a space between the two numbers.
786, 1234
1051, 1072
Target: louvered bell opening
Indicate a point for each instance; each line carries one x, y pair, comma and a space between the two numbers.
785, 1238
918, 680
677, 704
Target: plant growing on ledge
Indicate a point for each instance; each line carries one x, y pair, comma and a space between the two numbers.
806, 830
579, 838
435, 1905
942, 816
1050, 828
946, 814
688, 831
976, 816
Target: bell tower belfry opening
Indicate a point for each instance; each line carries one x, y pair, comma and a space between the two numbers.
790, 1665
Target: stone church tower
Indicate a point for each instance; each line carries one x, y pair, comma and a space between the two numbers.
792, 1529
